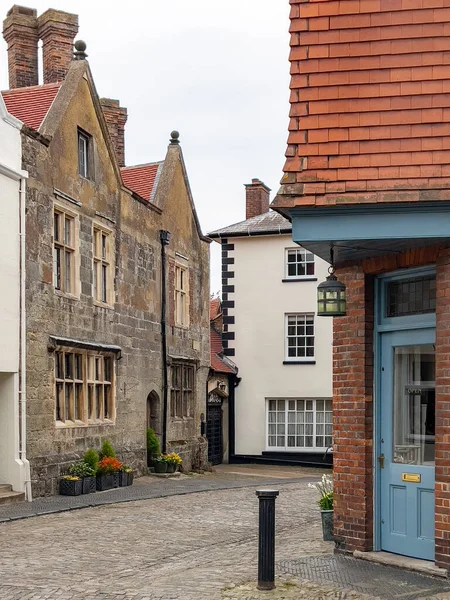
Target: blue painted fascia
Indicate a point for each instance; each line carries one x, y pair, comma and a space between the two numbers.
427, 220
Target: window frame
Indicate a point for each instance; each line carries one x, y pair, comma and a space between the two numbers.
297, 422
100, 262
91, 379
84, 169
181, 295
299, 359
298, 251
181, 396
65, 249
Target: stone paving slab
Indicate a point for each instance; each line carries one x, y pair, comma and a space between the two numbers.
146, 488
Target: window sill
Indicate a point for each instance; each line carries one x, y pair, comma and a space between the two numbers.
299, 362
67, 295
290, 279
81, 424
103, 305
180, 419
275, 449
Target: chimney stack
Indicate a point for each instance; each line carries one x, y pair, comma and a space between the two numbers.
20, 30
116, 117
57, 30
257, 196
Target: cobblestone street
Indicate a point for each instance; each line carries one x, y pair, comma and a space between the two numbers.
193, 546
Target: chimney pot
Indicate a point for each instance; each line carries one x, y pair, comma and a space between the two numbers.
57, 30
116, 117
20, 30
257, 196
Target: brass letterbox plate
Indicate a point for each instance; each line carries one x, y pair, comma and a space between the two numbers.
411, 477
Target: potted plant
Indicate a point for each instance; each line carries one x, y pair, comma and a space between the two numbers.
86, 473
160, 464
108, 473
107, 450
173, 461
70, 485
325, 502
126, 476
152, 447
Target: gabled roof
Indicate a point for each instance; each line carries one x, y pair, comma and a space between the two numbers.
142, 179
220, 363
31, 104
269, 223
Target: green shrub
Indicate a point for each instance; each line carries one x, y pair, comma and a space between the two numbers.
152, 442
91, 458
107, 450
81, 469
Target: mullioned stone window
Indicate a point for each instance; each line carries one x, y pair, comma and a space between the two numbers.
84, 387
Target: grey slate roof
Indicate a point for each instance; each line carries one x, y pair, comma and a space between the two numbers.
270, 223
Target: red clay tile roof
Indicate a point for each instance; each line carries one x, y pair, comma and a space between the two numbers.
218, 363
31, 104
141, 178
214, 306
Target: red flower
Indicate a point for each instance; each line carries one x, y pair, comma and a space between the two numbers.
109, 465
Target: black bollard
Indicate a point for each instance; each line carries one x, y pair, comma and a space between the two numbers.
266, 547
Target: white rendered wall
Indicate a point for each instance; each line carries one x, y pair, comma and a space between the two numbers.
261, 301
12, 468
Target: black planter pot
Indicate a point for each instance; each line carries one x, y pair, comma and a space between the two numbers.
89, 485
160, 467
116, 479
123, 479
170, 468
130, 478
70, 488
105, 482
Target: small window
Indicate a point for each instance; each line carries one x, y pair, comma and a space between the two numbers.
84, 387
102, 273
299, 424
83, 154
299, 263
181, 296
299, 337
413, 296
182, 391
64, 252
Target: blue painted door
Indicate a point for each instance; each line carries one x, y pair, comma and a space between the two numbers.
406, 463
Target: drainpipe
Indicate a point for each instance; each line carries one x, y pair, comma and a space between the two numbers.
23, 348
164, 237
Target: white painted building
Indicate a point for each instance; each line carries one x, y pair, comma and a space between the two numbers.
283, 351
14, 468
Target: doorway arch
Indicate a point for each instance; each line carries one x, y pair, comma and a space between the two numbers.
154, 412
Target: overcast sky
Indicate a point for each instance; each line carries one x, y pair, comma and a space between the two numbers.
216, 71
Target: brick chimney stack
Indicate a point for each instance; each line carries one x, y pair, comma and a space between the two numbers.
57, 30
20, 30
257, 196
116, 116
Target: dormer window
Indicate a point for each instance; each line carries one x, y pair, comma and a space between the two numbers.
83, 154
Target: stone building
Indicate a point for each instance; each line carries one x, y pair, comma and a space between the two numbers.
367, 177
110, 349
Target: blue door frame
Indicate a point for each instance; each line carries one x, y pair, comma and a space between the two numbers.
389, 333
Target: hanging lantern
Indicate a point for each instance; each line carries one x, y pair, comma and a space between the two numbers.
331, 300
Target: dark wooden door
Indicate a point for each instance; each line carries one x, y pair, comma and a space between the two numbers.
214, 434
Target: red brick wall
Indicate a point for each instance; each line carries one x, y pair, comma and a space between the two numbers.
370, 101
442, 489
57, 30
352, 414
116, 118
256, 198
21, 33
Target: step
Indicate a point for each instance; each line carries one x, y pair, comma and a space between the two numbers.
5, 487
8, 497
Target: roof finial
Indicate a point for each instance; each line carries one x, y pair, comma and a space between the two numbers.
80, 50
174, 138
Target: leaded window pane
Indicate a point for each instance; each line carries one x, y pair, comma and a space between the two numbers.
411, 296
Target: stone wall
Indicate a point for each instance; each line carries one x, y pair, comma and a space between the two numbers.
131, 323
